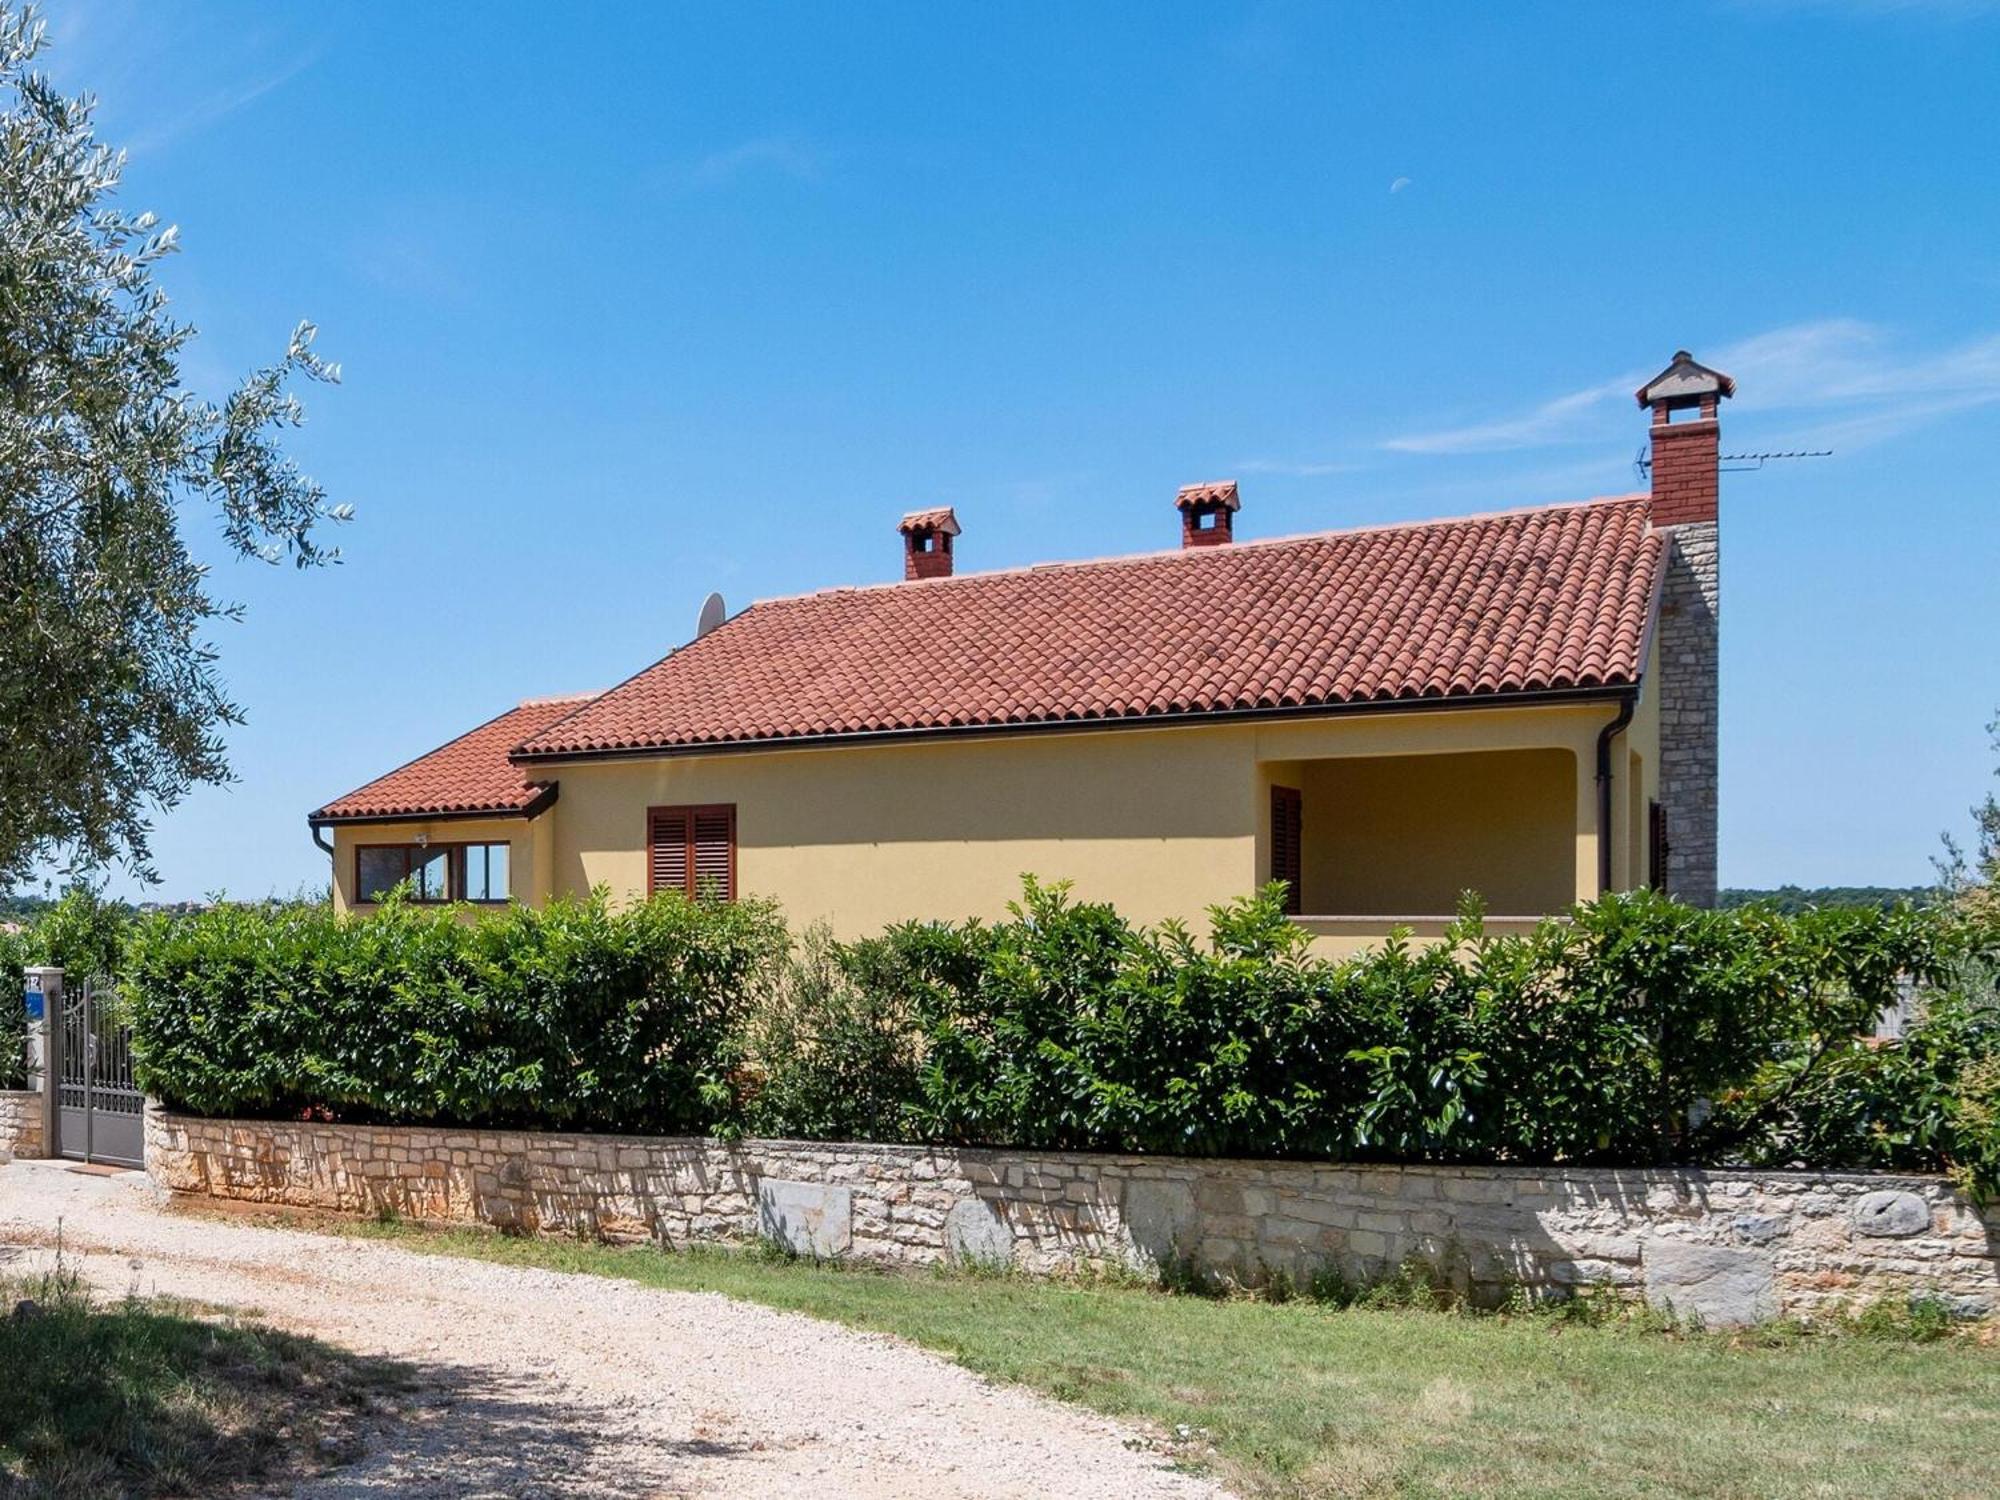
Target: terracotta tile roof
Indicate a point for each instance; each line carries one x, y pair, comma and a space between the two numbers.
942, 518
1216, 492
470, 775
1528, 601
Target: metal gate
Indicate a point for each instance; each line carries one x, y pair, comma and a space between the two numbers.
99, 1114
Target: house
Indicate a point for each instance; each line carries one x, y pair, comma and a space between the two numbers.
1522, 704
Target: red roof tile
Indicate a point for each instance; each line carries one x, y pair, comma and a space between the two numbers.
1221, 492
941, 518
1528, 601
470, 775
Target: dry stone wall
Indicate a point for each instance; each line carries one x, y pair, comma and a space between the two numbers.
21, 1124
1730, 1246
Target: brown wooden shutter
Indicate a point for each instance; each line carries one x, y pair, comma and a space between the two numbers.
1656, 845
1286, 838
692, 850
714, 853
667, 839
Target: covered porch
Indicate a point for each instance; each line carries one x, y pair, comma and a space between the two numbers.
1388, 825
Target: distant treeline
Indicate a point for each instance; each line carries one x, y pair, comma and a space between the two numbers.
22, 908
1795, 898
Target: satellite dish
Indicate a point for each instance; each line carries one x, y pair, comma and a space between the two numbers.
713, 613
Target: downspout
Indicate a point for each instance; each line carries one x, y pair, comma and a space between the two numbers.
1605, 736
317, 830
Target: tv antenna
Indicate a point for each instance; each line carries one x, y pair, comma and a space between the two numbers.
1731, 463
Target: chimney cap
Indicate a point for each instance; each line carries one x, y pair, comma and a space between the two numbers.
1220, 492
1684, 383
939, 518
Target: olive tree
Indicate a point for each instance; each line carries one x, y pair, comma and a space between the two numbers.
111, 708
1975, 875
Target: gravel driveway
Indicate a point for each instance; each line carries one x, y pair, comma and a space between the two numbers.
544, 1384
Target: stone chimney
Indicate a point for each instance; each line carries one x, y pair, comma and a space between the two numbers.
1207, 511
1686, 469
927, 538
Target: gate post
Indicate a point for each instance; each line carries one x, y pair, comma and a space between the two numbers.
42, 993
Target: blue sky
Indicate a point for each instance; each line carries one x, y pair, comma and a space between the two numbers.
638, 303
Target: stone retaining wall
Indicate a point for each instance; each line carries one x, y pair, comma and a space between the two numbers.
1730, 1246
21, 1124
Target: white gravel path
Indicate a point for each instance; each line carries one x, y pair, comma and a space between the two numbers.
545, 1384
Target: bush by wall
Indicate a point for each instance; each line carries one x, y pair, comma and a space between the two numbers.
13, 1016
1636, 1032
574, 1017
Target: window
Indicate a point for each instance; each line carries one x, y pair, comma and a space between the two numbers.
1657, 850
692, 850
1286, 830
485, 872
435, 872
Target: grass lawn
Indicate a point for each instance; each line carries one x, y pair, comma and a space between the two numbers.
1300, 1399
144, 1398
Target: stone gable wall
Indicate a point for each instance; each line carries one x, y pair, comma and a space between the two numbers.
1731, 1246
1690, 668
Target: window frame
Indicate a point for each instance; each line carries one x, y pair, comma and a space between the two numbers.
454, 871
689, 812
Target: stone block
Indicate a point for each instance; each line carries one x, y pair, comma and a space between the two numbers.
1890, 1214
807, 1218
1159, 1216
1756, 1229
1722, 1285
975, 1233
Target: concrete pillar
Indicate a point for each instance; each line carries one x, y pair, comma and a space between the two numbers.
42, 994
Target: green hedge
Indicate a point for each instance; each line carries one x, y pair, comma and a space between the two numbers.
1636, 1032
1633, 1032
573, 1017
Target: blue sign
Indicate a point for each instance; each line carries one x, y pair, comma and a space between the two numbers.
34, 1000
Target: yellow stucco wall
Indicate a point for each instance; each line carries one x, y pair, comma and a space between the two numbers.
1162, 822
866, 836
529, 853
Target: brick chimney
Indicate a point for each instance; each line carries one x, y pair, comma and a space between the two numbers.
1686, 468
927, 538
1207, 511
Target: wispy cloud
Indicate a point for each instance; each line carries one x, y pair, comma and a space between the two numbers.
1292, 469
1497, 487
1559, 420
780, 155
1835, 367
157, 135
160, 85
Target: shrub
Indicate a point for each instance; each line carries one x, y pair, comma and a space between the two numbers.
574, 1016
1601, 1038
1069, 1028
1612, 1033
83, 934
832, 1053
13, 1014
1926, 1101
